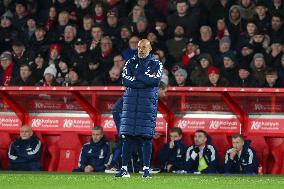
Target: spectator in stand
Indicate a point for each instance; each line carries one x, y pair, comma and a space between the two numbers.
272, 79
25, 153
112, 25
207, 44
74, 78
97, 34
262, 17
118, 61
181, 78
8, 70
95, 154
38, 66
113, 78
86, 32
25, 78
62, 74
246, 53
215, 78
245, 78
281, 71
172, 155
125, 34
190, 56
222, 29
274, 57
49, 77
229, 67
20, 55
246, 36
199, 76
39, 42
177, 43
132, 50
247, 8
258, 66
241, 158
277, 29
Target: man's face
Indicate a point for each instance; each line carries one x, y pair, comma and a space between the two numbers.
251, 28
54, 54
258, 63
276, 23
124, 33
118, 61
199, 139
162, 92
271, 78
205, 34
5, 64
80, 48
5, 23
235, 14
224, 47
87, 24
106, 45
112, 20
213, 78
133, 43
25, 72
31, 23
39, 33
246, 3
228, 63
20, 9
144, 48
97, 135
258, 38
246, 51
276, 47
69, 34
180, 79
26, 132
97, 33
237, 143
84, 3
260, 10
243, 73
63, 19
204, 63
181, 8
73, 76
114, 74
179, 31
174, 136
18, 50
191, 47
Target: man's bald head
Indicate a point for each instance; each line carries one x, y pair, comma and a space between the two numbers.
26, 132
144, 48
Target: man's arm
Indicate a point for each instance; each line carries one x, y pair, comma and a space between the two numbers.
252, 163
128, 78
212, 164
82, 163
230, 164
152, 76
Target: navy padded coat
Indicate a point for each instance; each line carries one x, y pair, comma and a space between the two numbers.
141, 77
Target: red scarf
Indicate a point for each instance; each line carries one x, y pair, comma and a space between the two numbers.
99, 18
7, 77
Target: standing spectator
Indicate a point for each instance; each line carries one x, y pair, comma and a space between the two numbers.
118, 61
125, 34
277, 6
79, 55
258, 66
7, 33
272, 79
141, 29
190, 55
224, 46
52, 19
247, 35
207, 44
177, 44
62, 74
19, 53
49, 77
70, 33
25, 78
277, 29
93, 70
215, 78
247, 8
201, 156
172, 154
112, 26
86, 32
199, 76
21, 14
274, 57
99, 13
38, 66
222, 29
58, 31
8, 70
97, 34
134, 15
39, 43
25, 153
95, 154
262, 17
260, 42
229, 67
28, 30
241, 158
245, 78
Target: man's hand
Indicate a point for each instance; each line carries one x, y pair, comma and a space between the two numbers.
233, 154
89, 169
171, 144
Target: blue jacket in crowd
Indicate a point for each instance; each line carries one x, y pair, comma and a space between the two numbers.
25, 155
245, 162
141, 78
94, 154
175, 156
210, 156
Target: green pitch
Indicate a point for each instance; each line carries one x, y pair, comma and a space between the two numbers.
20, 180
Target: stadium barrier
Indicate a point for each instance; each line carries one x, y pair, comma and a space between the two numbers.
51, 111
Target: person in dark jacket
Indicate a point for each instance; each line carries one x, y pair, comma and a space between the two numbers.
215, 79
95, 154
8, 70
272, 79
172, 155
241, 158
201, 157
141, 76
25, 78
245, 78
25, 153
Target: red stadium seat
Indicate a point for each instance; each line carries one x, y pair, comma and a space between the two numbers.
65, 153
5, 142
278, 155
221, 143
262, 151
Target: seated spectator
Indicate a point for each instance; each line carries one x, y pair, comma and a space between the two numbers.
74, 78
258, 66
49, 77
25, 78
207, 44
25, 153
112, 26
172, 155
190, 55
260, 42
262, 17
245, 78
112, 78
215, 78
95, 154
201, 156
229, 67
246, 53
180, 78
199, 76
224, 46
241, 158
272, 79
97, 34
62, 74
274, 57
92, 70
38, 66
222, 30
19, 53
8, 70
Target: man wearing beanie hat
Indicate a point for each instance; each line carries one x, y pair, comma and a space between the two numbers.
245, 77
49, 77
215, 79
21, 14
229, 71
181, 77
274, 57
281, 70
224, 44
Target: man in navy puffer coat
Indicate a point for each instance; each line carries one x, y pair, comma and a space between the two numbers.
141, 76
